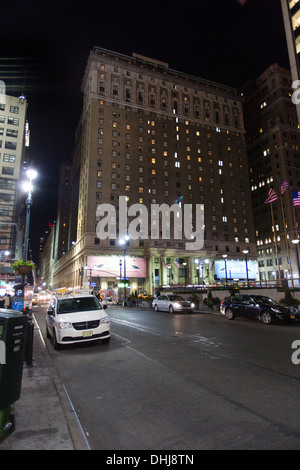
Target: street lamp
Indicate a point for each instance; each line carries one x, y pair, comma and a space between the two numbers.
31, 175
124, 241
245, 253
169, 274
184, 264
225, 256
296, 243
196, 262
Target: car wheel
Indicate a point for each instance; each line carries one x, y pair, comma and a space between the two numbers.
47, 332
171, 309
229, 314
266, 317
156, 307
56, 345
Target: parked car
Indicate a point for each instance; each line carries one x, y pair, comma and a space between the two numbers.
172, 303
257, 306
76, 318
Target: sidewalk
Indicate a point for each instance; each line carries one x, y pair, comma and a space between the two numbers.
42, 418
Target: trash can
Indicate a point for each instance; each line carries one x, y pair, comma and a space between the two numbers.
13, 329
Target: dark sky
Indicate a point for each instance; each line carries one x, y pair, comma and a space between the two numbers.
45, 47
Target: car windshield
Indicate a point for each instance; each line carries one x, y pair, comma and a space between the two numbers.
265, 300
80, 304
175, 298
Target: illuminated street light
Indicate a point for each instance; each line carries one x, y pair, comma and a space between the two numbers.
225, 256
123, 241
196, 262
31, 174
245, 253
184, 264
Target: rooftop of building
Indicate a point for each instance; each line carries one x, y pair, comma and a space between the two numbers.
155, 65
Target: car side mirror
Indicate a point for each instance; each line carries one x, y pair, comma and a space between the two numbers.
104, 306
50, 312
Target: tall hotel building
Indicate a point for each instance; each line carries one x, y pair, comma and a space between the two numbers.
14, 138
291, 19
154, 135
273, 146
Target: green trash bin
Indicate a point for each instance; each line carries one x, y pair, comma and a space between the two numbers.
13, 329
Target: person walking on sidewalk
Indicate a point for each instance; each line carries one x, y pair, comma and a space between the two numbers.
6, 301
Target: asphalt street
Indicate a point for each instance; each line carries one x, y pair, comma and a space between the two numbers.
184, 382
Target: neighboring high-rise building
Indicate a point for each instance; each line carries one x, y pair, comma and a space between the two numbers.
14, 138
273, 146
153, 135
291, 19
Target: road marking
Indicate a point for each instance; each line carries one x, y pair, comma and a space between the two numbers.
136, 326
86, 443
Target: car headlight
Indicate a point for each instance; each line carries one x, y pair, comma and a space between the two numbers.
193, 305
104, 319
177, 305
64, 324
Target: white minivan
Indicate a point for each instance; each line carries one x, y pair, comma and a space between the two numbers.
76, 318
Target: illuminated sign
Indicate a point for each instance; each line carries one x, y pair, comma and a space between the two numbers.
109, 266
236, 269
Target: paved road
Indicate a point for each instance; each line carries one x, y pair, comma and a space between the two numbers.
183, 382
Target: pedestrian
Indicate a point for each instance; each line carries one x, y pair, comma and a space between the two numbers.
6, 301
2, 302
157, 293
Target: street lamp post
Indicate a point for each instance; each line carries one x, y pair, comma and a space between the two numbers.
196, 262
296, 243
184, 264
124, 243
225, 256
31, 174
169, 274
246, 260
120, 279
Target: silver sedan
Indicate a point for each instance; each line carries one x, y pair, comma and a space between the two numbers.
172, 303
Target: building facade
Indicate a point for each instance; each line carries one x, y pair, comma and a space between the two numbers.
291, 19
14, 138
273, 145
149, 135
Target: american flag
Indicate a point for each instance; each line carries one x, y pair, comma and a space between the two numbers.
176, 262
271, 197
296, 198
283, 186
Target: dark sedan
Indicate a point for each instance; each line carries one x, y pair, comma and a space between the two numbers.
258, 306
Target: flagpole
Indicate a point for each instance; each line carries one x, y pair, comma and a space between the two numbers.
275, 239
285, 234
296, 229
272, 197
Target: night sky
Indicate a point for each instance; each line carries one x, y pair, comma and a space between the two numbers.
45, 47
